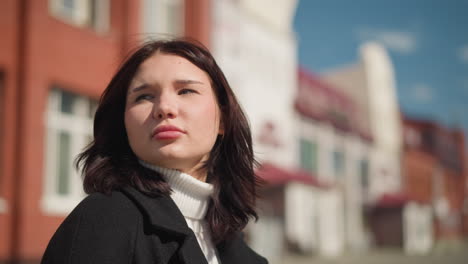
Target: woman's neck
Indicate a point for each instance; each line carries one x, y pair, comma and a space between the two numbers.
198, 173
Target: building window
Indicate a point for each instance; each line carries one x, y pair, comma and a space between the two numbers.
69, 125
364, 174
338, 163
163, 18
93, 14
309, 158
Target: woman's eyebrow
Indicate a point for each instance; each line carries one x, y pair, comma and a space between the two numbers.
180, 82
139, 88
187, 81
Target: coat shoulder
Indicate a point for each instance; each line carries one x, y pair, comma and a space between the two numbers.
101, 229
111, 215
106, 205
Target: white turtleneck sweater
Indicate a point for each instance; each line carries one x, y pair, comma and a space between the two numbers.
191, 197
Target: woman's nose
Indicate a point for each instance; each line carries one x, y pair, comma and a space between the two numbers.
165, 108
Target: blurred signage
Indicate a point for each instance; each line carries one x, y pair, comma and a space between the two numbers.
269, 135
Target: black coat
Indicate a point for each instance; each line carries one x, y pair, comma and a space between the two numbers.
130, 227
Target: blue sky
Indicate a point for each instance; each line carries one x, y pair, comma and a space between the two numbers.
427, 41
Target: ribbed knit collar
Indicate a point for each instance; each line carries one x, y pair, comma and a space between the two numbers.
190, 195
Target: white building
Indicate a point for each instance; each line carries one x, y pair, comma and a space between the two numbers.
337, 150
255, 45
371, 83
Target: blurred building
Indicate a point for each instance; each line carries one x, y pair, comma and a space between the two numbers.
435, 174
254, 43
56, 58
335, 148
370, 83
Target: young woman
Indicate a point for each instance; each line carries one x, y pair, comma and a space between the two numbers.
170, 173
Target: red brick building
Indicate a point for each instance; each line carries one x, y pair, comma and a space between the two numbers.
56, 58
435, 172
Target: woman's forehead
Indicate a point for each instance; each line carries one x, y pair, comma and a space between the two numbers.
164, 65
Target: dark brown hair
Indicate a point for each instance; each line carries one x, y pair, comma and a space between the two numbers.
108, 163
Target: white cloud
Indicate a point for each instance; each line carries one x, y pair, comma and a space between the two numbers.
399, 41
463, 54
421, 93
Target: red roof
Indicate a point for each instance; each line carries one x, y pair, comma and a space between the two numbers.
325, 103
275, 175
388, 200
332, 94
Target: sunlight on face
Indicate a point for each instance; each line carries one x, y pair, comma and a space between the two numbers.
172, 117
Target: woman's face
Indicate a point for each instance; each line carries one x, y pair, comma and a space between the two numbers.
172, 117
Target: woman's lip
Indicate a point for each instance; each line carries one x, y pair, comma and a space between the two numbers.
167, 132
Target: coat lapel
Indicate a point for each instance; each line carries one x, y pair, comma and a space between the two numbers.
161, 211
235, 250
190, 251
163, 214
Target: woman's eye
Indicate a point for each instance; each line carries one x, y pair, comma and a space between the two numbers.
143, 97
186, 91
